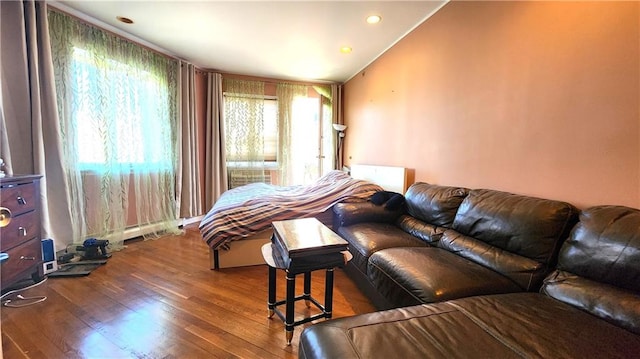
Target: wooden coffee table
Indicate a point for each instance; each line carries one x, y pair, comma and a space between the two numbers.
310, 242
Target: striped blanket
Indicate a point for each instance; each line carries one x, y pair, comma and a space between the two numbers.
244, 211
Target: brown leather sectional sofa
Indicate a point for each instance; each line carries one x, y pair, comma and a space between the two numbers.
482, 273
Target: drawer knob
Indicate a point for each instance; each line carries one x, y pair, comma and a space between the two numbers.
5, 216
21, 200
25, 258
22, 231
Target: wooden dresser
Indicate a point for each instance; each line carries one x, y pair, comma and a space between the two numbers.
20, 238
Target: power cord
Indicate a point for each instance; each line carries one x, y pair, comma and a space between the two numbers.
20, 298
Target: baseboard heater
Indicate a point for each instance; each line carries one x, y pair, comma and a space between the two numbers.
140, 231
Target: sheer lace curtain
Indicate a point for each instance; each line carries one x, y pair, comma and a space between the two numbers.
118, 117
244, 107
299, 127
329, 136
286, 93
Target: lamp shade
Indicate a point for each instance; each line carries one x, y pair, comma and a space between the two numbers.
339, 127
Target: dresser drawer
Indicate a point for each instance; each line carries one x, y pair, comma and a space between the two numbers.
21, 229
22, 260
20, 239
18, 198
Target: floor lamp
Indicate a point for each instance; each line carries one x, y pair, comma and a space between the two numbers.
340, 128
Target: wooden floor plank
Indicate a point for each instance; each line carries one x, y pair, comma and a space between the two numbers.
159, 299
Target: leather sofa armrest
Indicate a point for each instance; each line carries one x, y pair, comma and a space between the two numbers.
323, 344
346, 214
618, 306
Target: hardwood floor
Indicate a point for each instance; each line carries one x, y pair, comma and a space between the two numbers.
159, 299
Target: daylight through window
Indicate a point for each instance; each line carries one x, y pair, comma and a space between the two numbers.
131, 128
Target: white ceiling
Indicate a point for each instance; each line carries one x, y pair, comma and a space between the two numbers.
293, 40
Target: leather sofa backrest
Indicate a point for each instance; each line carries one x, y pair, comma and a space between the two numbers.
531, 227
605, 246
433, 204
525, 272
599, 266
517, 236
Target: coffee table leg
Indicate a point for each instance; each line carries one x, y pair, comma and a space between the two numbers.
291, 293
272, 291
328, 294
307, 288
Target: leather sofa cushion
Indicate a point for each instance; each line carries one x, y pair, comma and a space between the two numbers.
517, 325
605, 246
434, 204
415, 227
367, 238
409, 276
599, 266
618, 306
528, 226
525, 272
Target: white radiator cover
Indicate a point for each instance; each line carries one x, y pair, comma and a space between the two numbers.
241, 177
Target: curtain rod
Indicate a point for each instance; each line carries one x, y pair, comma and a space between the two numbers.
57, 6
274, 81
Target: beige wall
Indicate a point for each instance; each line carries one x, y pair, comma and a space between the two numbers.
537, 98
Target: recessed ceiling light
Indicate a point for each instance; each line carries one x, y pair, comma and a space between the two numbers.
374, 19
345, 49
126, 20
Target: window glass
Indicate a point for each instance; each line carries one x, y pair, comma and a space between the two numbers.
305, 140
251, 126
128, 130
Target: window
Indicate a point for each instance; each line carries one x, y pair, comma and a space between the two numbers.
117, 108
251, 126
305, 140
278, 133
121, 115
